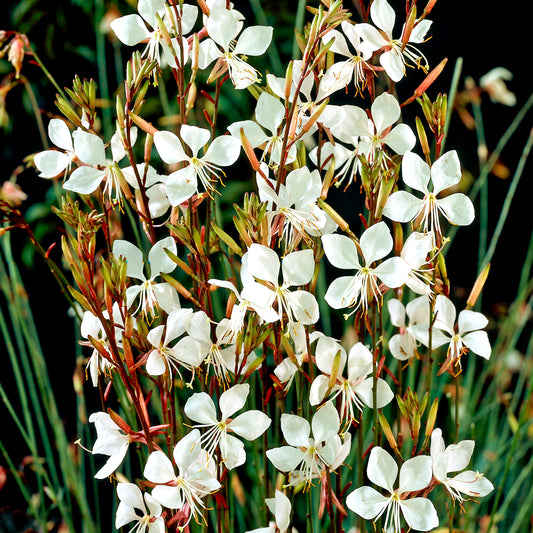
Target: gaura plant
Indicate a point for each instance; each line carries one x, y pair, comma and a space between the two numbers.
215, 344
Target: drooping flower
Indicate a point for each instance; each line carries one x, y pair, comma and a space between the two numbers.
249, 425
355, 291
183, 183
306, 458
111, 441
131, 501
398, 52
195, 479
223, 28
454, 458
382, 470
425, 212
494, 83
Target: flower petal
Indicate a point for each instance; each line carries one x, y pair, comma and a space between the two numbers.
478, 342
201, 409
458, 209
130, 29
376, 242
223, 151
233, 400
254, 40
89, 148
250, 425
341, 251
445, 172
325, 423
415, 474
60, 134
169, 147
402, 206
366, 502
50, 163
382, 469
385, 111
419, 514
296, 430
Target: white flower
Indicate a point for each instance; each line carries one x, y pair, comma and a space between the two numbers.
355, 291
403, 206
183, 183
300, 307
392, 60
152, 294
163, 356
195, 478
340, 74
415, 475
249, 425
307, 457
453, 459
131, 499
296, 203
354, 390
132, 30
223, 28
494, 83
269, 114
110, 441
466, 335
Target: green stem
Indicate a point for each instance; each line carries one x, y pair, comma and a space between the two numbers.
451, 99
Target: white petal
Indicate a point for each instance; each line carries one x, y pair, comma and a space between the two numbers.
148, 8
458, 209
130, 494
471, 321
445, 172
263, 263
402, 206
285, 458
445, 312
419, 514
415, 474
169, 147
304, 306
382, 469
60, 134
159, 261
112, 463
132, 255
252, 131
50, 163
254, 40
318, 389
401, 139
478, 342
416, 248
223, 151
84, 180
325, 352
471, 483
341, 251
366, 502
393, 64
296, 430
383, 16
169, 497
89, 148
384, 394
415, 172
222, 27
269, 112
325, 423
155, 364
396, 313
298, 267
159, 468
393, 272
458, 455
130, 29
181, 185
418, 35
201, 409
385, 111
233, 400
250, 425
187, 450
359, 361
376, 242
196, 138
125, 515
343, 292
